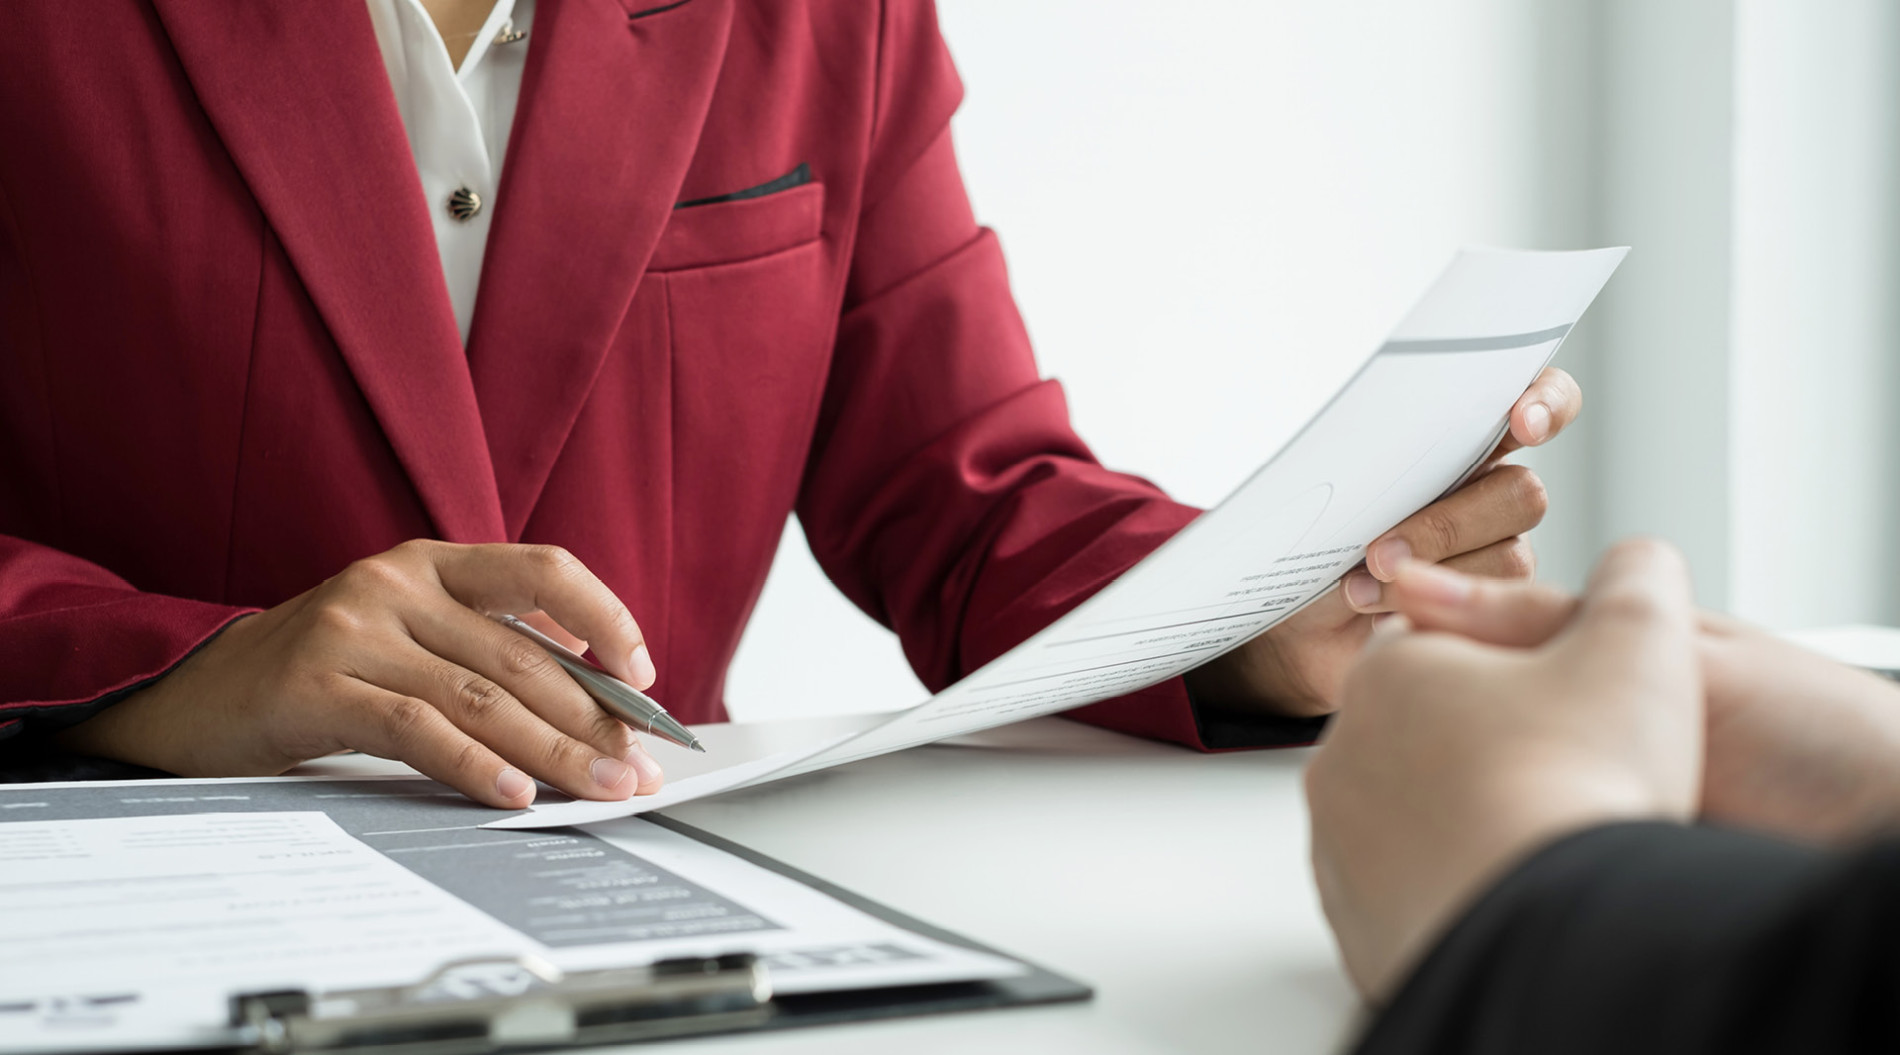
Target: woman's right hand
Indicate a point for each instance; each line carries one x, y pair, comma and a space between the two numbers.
395, 657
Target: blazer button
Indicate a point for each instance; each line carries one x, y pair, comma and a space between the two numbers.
464, 204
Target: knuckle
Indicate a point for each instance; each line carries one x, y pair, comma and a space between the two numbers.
378, 574
403, 719
620, 621
471, 757
1529, 492
332, 619
415, 549
525, 659
477, 697
554, 561
1520, 559
565, 755
614, 734
1441, 533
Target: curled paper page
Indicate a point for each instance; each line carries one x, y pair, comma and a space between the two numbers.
1418, 417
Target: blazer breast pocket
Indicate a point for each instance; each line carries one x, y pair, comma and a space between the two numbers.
750, 302
783, 214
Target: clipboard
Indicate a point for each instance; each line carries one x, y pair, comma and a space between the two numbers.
473, 1007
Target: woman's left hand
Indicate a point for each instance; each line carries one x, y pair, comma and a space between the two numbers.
1299, 666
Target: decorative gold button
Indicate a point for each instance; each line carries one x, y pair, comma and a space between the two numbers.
464, 204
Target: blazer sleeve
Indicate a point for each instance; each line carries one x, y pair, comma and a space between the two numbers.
1640, 938
946, 493
75, 638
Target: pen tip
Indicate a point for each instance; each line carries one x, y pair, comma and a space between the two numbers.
698, 747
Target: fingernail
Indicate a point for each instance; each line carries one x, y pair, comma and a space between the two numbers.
1384, 558
1362, 590
642, 663
511, 784
1439, 585
1388, 624
644, 764
1537, 422
611, 773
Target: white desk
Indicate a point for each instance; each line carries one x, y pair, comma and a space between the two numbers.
1175, 883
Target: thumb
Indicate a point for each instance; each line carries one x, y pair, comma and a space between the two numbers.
1639, 612
1514, 615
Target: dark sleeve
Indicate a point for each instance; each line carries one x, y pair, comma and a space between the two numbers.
1641, 938
946, 494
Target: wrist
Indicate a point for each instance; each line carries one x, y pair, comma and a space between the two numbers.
132, 730
158, 724
1255, 680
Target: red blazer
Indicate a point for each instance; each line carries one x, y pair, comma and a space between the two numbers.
230, 365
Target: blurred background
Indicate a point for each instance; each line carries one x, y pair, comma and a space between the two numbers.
1214, 211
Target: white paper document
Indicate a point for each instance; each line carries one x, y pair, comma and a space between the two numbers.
137, 928
1424, 410
128, 919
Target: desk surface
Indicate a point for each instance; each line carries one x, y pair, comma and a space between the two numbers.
1175, 883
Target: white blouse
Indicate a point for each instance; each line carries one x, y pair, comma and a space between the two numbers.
458, 122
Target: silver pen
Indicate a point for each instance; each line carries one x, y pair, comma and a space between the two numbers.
622, 700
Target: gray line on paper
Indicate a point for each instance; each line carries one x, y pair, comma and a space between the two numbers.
1405, 345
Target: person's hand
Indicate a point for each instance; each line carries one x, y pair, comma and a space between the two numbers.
1298, 667
1798, 745
1452, 759
393, 657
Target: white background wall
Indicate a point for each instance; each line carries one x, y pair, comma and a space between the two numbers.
1815, 457
1213, 210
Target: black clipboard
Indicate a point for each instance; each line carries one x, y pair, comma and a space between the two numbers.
671, 1000
712, 981
1036, 987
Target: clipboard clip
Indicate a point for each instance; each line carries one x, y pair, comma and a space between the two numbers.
491, 1005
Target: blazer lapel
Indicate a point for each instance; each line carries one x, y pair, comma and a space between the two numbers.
609, 117
298, 94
